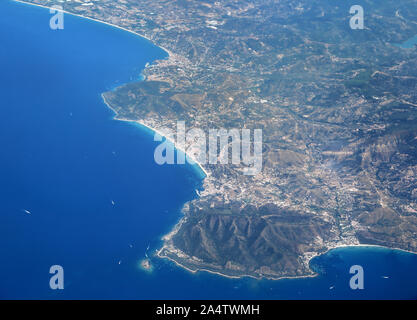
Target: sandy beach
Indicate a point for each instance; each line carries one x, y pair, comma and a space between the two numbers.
100, 21
156, 131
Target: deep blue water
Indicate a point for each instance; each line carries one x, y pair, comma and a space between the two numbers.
65, 159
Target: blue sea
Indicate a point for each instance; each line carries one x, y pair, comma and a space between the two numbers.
97, 200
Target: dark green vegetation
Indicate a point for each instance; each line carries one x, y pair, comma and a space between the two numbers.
338, 111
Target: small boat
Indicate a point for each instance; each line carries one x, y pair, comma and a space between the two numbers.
146, 252
385, 277
331, 288
27, 211
113, 203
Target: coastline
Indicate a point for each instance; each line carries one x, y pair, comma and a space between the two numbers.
313, 275
194, 271
177, 226
170, 54
141, 123
116, 116
363, 246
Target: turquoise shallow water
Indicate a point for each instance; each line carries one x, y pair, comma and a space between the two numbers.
65, 159
410, 43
